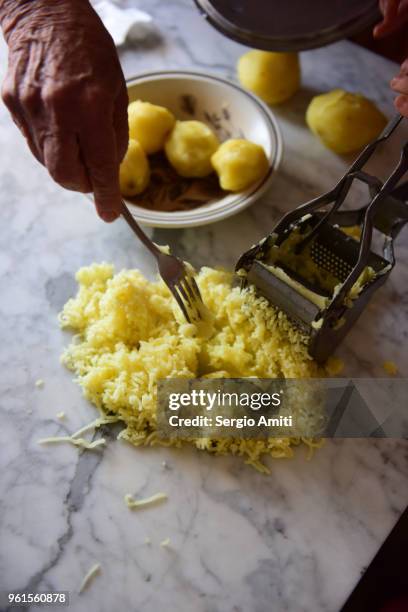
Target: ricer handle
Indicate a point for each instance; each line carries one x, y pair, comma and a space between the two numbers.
366, 238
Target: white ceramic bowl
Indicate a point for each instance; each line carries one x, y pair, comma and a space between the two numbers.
231, 112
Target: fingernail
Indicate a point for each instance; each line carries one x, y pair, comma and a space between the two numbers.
108, 215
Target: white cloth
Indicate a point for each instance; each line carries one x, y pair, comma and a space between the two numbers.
123, 24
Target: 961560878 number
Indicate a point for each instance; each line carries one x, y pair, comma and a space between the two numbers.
16, 598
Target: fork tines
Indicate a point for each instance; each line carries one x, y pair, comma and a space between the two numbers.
188, 297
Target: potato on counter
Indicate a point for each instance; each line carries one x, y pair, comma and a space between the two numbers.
274, 77
345, 122
134, 173
150, 125
189, 148
239, 163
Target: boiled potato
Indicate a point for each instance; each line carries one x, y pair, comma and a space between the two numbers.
134, 173
150, 125
274, 77
189, 148
345, 122
239, 163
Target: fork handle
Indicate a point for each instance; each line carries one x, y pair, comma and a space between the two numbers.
130, 220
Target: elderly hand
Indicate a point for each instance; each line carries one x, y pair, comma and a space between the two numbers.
66, 92
395, 15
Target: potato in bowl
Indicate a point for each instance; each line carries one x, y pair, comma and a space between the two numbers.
230, 112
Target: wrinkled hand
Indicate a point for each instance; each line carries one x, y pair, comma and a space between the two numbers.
66, 92
395, 15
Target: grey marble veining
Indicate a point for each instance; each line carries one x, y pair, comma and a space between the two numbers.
294, 541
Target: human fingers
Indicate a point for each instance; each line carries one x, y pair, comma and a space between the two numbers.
389, 10
63, 160
99, 152
18, 101
401, 104
120, 122
400, 82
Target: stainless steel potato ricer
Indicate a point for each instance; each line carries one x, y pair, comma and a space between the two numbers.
315, 230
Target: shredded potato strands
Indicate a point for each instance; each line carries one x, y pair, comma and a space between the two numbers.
75, 441
130, 334
75, 438
95, 569
147, 501
165, 543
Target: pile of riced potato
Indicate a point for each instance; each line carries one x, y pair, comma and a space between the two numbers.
130, 333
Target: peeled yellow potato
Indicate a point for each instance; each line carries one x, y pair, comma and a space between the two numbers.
189, 148
239, 163
134, 173
274, 77
345, 122
149, 124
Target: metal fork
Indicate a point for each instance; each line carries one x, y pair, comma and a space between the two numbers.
173, 271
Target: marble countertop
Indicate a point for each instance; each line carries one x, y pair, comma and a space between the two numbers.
296, 540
